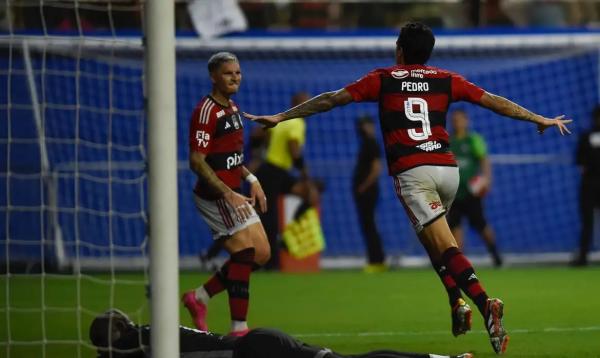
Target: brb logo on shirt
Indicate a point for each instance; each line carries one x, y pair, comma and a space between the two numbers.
435, 204
235, 160
203, 138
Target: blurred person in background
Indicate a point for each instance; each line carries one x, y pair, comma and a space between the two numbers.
283, 156
475, 171
365, 188
588, 159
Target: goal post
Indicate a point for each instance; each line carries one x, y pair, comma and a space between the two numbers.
162, 176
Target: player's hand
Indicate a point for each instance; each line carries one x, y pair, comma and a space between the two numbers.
485, 187
267, 121
257, 195
240, 204
556, 121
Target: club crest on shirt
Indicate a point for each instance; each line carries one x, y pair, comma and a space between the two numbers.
399, 74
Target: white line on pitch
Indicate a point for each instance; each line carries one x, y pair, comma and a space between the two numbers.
423, 333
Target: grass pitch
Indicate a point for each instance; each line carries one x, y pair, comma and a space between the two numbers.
549, 312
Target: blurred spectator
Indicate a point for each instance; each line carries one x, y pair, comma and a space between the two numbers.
551, 13
588, 159
315, 15
276, 174
74, 22
475, 179
366, 192
4, 17
260, 15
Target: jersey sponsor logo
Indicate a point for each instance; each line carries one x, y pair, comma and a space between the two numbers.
220, 113
227, 125
415, 86
203, 138
235, 160
421, 72
399, 74
430, 146
435, 204
472, 277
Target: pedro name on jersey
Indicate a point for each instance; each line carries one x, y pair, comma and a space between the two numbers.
413, 102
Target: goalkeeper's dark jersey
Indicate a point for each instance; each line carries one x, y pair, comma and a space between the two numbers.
192, 343
413, 101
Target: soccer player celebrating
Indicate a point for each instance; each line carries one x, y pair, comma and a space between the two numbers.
216, 143
116, 336
413, 101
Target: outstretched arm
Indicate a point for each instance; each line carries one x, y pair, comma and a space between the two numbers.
318, 104
508, 108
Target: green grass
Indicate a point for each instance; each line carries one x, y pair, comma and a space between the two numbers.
550, 312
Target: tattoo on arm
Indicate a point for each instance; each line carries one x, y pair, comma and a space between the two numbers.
508, 108
318, 104
201, 168
321, 103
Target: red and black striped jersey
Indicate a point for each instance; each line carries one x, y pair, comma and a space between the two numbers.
217, 132
413, 102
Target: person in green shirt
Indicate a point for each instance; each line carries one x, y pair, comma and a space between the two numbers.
475, 173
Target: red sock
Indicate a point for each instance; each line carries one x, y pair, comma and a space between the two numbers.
463, 273
217, 282
447, 280
238, 282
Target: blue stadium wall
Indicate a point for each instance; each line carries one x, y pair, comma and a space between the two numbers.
532, 206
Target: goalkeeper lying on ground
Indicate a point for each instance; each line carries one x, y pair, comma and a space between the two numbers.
128, 340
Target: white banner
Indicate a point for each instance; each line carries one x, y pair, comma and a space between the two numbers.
213, 18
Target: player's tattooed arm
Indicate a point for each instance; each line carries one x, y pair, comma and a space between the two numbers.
508, 108
318, 104
237, 201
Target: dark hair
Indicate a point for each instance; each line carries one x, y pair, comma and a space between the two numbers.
215, 61
102, 326
416, 41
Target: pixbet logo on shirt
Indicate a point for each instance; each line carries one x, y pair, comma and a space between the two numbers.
235, 160
203, 138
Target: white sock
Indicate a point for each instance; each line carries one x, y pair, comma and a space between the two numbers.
237, 326
202, 295
437, 356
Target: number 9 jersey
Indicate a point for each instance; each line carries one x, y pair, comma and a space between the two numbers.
413, 102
